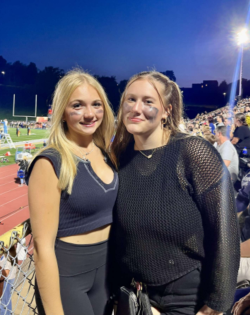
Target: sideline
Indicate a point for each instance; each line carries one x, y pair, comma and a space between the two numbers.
23, 142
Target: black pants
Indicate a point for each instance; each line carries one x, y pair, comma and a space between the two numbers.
83, 283
181, 296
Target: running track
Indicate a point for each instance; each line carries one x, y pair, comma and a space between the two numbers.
13, 199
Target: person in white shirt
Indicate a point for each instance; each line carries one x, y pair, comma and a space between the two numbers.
21, 251
220, 121
8, 271
227, 152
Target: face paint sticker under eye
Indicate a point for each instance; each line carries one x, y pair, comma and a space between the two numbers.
99, 111
126, 107
150, 112
74, 114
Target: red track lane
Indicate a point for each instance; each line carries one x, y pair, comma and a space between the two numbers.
9, 168
13, 199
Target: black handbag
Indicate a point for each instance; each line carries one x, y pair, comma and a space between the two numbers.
134, 300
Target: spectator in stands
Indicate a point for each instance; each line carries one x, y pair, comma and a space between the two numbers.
8, 269
241, 135
21, 250
211, 125
191, 130
228, 122
208, 135
72, 191
227, 152
220, 120
172, 229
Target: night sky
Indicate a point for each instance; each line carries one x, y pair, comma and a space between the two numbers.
194, 38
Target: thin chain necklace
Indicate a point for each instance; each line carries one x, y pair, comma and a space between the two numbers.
148, 156
87, 153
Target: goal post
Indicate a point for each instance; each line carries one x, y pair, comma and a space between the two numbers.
26, 116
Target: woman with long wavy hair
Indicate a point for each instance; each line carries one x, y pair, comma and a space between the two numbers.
175, 226
72, 190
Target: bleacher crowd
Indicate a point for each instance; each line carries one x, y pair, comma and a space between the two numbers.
228, 129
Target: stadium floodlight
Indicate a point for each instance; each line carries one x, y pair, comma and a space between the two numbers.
242, 40
3, 72
243, 37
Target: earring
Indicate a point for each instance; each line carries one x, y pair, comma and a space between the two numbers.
164, 121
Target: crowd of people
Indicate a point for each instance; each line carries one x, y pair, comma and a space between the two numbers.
227, 129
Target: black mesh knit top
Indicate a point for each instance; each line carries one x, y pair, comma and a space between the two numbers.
176, 212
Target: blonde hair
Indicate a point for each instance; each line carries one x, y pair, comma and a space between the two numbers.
207, 135
58, 139
170, 95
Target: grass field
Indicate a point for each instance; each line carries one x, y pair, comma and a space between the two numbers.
35, 134
11, 158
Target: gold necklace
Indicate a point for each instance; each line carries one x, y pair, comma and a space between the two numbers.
148, 156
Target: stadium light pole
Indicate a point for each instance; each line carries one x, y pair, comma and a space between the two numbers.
242, 39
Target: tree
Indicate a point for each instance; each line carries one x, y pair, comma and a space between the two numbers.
122, 85
45, 84
111, 88
17, 70
31, 74
170, 75
3, 64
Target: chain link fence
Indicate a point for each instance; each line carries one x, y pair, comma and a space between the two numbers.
17, 272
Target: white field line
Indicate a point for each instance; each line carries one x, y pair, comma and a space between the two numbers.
30, 249
13, 200
6, 183
13, 213
9, 191
1, 173
8, 176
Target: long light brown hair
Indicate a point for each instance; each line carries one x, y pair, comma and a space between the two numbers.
58, 133
169, 94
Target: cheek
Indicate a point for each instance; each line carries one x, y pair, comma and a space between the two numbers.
74, 114
126, 108
99, 113
151, 113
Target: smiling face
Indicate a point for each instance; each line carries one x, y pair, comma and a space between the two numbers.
142, 108
84, 111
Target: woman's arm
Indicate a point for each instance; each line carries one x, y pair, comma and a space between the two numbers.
245, 249
235, 140
44, 201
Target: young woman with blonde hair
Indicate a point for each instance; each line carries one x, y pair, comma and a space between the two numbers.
175, 226
72, 190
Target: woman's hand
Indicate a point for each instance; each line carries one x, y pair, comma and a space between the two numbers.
241, 305
154, 311
205, 310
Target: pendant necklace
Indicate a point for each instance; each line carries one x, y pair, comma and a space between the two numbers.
148, 156
87, 153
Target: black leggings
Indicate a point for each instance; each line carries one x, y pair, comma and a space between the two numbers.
83, 283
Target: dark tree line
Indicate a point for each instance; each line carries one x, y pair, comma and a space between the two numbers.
25, 81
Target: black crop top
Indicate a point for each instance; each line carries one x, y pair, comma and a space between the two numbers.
91, 202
